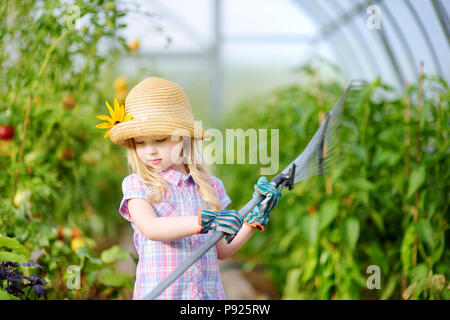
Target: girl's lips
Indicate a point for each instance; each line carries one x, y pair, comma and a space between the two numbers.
155, 161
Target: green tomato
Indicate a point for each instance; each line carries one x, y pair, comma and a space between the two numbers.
58, 244
67, 233
53, 234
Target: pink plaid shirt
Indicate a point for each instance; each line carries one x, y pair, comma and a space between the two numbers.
157, 259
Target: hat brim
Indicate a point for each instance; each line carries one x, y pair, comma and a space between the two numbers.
121, 132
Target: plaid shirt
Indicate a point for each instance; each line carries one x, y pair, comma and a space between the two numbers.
157, 259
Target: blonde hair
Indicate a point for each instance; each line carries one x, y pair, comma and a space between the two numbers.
160, 188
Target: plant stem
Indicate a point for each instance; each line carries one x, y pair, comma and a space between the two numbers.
30, 99
416, 195
22, 143
48, 55
407, 119
61, 279
86, 67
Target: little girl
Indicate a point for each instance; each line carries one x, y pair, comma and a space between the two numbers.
173, 203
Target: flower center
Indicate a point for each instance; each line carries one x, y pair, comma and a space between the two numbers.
116, 122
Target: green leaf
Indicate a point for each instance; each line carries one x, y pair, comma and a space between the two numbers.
416, 179
419, 272
310, 263
328, 212
113, 254
362, 184
425, 232
9, 256
310, 228
406, 249
351, 231
376, 216
437, 254
6, 296
292, 282
13, 244
82, 252
389, 289
117, 280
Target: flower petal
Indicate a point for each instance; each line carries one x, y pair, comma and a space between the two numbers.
116, 110
122, 113
110, 109
107, 133
127, 117
105, 117
104, 125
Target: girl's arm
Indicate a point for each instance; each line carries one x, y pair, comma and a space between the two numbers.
173, 228
160, 228
224, 249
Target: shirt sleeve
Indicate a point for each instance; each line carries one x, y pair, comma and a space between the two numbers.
221, 193
132, 187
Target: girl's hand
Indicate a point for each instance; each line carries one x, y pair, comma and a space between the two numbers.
228, 221
259, 215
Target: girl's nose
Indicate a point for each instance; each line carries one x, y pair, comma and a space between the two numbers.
152, 149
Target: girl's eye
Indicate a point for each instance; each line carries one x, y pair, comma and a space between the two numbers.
142, 142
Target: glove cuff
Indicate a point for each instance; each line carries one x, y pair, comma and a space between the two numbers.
205, 219
255, 224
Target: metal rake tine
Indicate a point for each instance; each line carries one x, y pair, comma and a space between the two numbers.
326, 164
303, 177
328, 159
316, 169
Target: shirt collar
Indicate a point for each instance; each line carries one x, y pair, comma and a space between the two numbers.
173, 176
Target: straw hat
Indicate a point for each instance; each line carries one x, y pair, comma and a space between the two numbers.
157, 107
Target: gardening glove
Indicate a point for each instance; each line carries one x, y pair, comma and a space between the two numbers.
259, 215
228, 221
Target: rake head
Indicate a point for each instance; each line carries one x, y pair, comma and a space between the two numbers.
325, 147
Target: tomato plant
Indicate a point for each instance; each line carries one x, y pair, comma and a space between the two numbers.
56, 195
385, 203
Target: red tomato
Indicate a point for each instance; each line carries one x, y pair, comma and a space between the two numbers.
6, 132
76, 233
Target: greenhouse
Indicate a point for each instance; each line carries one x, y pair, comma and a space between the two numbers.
225, 150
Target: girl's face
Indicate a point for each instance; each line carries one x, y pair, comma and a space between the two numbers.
165, 148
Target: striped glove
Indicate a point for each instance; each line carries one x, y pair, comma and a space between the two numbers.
228, 221
259, 215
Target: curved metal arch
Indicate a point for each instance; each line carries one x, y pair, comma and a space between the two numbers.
314, 11
361, 39
331, 27
442, 16
387, 47
402, 38
348, 40
426, 36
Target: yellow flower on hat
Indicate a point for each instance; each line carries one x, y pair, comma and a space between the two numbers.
117, 116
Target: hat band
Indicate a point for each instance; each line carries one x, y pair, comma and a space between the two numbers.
155, 126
